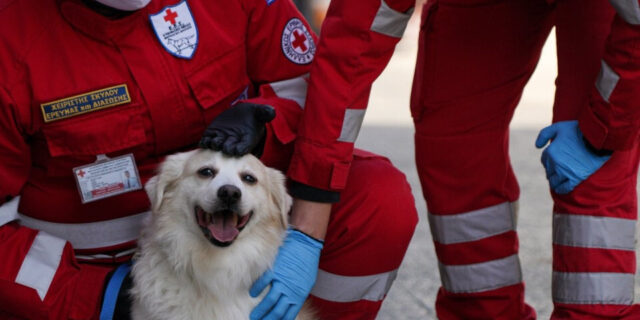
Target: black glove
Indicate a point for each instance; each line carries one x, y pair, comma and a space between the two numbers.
239, 129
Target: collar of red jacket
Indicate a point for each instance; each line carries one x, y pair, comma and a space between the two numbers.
96, 26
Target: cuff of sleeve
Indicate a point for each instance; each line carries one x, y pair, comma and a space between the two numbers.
324, 167
600, 136
593, 130
305, 192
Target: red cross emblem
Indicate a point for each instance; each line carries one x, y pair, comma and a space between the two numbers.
298, 43
171, 16
80, 173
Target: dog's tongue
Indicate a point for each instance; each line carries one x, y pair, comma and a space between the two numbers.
223, 227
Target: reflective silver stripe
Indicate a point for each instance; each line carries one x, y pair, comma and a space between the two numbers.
337, 288
473, 225
9, 211
629, 10
294, 89
390, 22
92, 235
480, 277
41, 263
351, 125
106, 256
594, 232
592, 288
607, 80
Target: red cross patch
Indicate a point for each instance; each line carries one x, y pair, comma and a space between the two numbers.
297, 43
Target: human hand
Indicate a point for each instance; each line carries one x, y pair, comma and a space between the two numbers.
238, 130
568, 160
292, 277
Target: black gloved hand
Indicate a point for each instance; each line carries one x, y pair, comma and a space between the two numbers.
239, 129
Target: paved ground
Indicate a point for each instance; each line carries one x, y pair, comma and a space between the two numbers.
388, 131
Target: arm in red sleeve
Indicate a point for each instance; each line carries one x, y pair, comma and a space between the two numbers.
612, 121
357, 41
280, 48
15, 158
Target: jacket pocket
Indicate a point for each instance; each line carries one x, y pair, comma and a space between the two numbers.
220, 82
79, 140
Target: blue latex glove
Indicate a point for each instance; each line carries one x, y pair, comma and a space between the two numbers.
568, 160
292, 277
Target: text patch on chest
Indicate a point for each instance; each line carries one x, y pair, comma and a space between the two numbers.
85, 103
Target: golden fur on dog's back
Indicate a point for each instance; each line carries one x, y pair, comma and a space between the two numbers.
186, 267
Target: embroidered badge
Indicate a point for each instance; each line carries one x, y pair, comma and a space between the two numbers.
176, 30
85, 103
297, 43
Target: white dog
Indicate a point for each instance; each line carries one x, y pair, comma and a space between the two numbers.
216, 226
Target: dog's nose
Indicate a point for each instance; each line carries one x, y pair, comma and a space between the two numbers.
229, 193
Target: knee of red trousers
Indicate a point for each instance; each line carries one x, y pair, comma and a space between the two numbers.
505, 303
75, 291
368, 235
372, 225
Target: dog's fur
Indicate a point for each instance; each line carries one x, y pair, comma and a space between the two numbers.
180, 272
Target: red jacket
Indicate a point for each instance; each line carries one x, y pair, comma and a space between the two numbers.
612, 121
60, 49
357, 41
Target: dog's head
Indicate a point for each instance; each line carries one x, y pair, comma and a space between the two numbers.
217, 197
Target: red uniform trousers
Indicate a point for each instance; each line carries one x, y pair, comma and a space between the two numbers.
474, 60
368, 235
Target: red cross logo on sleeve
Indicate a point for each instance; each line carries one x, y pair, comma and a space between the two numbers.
298, 43
80, 173
171, 16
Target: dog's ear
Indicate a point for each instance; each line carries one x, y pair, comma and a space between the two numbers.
170, 170
279, 195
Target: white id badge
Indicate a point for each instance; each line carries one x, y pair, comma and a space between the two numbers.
107, 177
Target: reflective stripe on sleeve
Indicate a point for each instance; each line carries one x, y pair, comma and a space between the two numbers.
594, 232
592, 288
41, 263
294, 89
479, 277
92, 235
337, 288
9, 211
473, 225
351, 125
607, 81
629, 10
390, 22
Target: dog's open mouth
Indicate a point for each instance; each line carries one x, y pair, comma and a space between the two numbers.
221, 227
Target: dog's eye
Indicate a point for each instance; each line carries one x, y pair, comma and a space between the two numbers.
206, 172
249, 178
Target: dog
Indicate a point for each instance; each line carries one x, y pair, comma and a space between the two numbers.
215, 227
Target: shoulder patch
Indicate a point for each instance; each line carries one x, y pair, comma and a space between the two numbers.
297, 43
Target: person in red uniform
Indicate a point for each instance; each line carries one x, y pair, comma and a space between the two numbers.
89, 89
474, 60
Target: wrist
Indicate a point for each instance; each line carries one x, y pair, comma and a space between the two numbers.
311, 218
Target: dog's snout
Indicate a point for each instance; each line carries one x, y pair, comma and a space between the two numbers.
229, 193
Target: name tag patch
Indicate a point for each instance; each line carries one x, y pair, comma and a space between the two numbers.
85, 103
